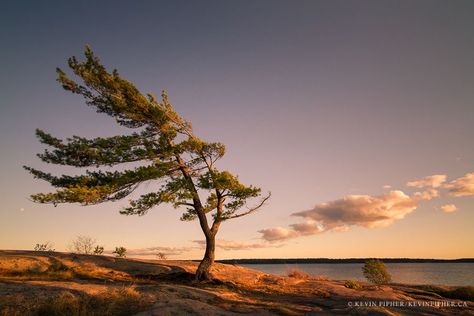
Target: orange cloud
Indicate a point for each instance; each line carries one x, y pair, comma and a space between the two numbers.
362, 210
449, 208
427, 194
463, 186
371, 211
278, 234
353, 210
433, 181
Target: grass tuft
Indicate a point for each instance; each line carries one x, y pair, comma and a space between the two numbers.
298, 274
352, 284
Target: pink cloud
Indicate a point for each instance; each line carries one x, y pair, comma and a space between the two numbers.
463, 186
433, 181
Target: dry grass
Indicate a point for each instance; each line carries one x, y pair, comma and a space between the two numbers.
112, 301
298, 274
353, 284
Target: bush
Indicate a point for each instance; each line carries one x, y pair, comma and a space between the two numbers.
374, 271
161, 256
47, 246
98, 250
298, 274
83, 244
120, 252
351, 284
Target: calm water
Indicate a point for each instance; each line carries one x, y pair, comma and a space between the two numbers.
411, 273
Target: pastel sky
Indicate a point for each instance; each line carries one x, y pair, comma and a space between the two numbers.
356, 115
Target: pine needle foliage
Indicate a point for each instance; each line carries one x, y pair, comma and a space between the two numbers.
162, 146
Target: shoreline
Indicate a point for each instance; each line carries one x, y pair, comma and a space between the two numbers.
55, 283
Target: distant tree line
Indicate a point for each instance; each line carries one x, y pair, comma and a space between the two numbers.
349, 260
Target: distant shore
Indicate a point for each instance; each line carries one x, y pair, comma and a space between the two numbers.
347, 260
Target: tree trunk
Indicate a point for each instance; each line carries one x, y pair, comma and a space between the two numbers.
203, 271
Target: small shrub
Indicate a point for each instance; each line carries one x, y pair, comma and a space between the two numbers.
375, 271
98, 250
352, 284
120, 252
83, 245
161, 256
47, 246
298, 274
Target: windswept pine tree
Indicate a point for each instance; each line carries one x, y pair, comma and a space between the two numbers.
165, 148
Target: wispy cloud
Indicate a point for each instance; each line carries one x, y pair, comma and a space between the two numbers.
463, 186
234, 245
426, 195
433, 181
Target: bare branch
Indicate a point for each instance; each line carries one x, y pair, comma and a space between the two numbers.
251, 210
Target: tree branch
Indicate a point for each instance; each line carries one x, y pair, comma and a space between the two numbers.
253, 209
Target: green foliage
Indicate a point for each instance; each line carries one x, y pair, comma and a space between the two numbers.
375, 271
47, 246
120, 252
98, 250
352, 284
163, 146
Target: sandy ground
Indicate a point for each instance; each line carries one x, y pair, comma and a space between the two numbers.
167, 287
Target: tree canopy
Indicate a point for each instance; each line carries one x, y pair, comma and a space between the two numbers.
162, 144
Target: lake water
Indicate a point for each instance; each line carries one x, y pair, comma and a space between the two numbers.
410, 273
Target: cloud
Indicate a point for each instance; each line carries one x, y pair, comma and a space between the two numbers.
234, 245
433, 181
449, 208
463, 186
152, 251
278, 234
308, 227
353, 210
427, 194
362, 210
371, 211
387, 186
